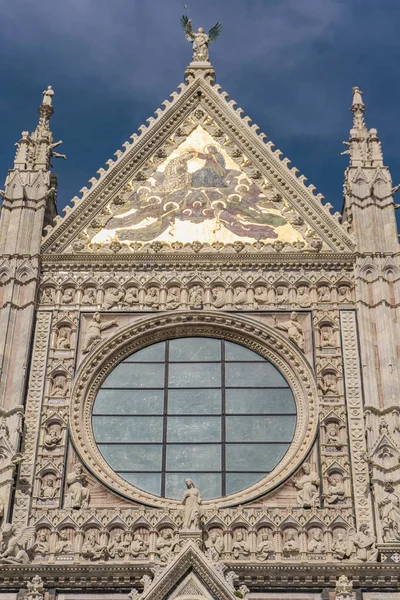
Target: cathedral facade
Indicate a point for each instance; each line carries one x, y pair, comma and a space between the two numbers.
200, 367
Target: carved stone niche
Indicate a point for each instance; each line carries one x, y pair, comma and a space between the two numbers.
214, 543
40, 549
151, 297
63, 337
94, 545
290, 542
281, 294
53, 434
324, 292
196, 297
261, 295
333, 434
239, 296
65, 543
327, 336
48, 488
328, 383
316, 544
218, 296
240, 546
342, 544
113, 297
89, 295
167, 544
265, 549
59, 384
131, 298
173, 298
303, 295
68, 294
140, 543
335, 488
48, 295
344, 293
118, 543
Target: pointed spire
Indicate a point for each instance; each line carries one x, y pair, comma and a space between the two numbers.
364, 147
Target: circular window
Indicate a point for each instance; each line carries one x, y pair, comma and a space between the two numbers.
196, 407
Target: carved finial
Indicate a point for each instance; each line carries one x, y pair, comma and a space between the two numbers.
48, 96
357, 104
344, 588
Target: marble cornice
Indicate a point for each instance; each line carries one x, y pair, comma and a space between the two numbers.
271, 261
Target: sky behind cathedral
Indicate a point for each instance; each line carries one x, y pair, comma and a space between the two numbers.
290, 64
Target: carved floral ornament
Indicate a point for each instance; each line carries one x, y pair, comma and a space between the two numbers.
268, 342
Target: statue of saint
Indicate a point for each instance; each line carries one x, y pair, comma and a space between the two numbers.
307, 485
78, 495
94, 331
191, 501
264, 547
64, 545
389, 512
214, 546
293, 328
200, 39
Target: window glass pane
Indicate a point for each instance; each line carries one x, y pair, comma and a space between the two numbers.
209, 484
194, 429
198, 402
252, 457
253, 375
150, 482
260, 429
154, 353
185, 457
129, 402
136, 376
240, 481
132, 458
237, 352
128, 429
260, 401
195, 375
194, 349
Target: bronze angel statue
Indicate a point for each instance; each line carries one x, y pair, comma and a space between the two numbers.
201, 39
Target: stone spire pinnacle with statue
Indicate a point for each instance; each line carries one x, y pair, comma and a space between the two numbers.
200, 39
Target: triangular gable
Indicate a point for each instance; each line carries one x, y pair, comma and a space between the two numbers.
190, 569
199, 173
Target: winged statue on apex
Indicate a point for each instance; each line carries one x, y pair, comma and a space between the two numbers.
200, 39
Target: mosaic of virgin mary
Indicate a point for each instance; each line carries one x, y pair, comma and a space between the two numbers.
198, 185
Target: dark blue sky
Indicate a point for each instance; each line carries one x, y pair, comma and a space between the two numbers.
290, 64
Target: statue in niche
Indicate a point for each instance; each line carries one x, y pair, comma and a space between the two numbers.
59, 386
364, 542
48, 491
41, 546
324, 293
166, 545
293, 328
281, 295
68, 296
240, 547
328, 384
139, 546
341, 546
196, 297
94, 331
64, 545
344, 293
52, 439
333, 434
291, 545
239, 295
264, 547
389, 513
261, 295
303, 296
335, 490
131, 296
78, 495
173, 298
13, 544
327, 339
118, 547
89, 296
48, 296
191, 501
64, 339
308, 487
92, 550
316, 542
112, 297
214, 546
218, 297
201, 39
152, 297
